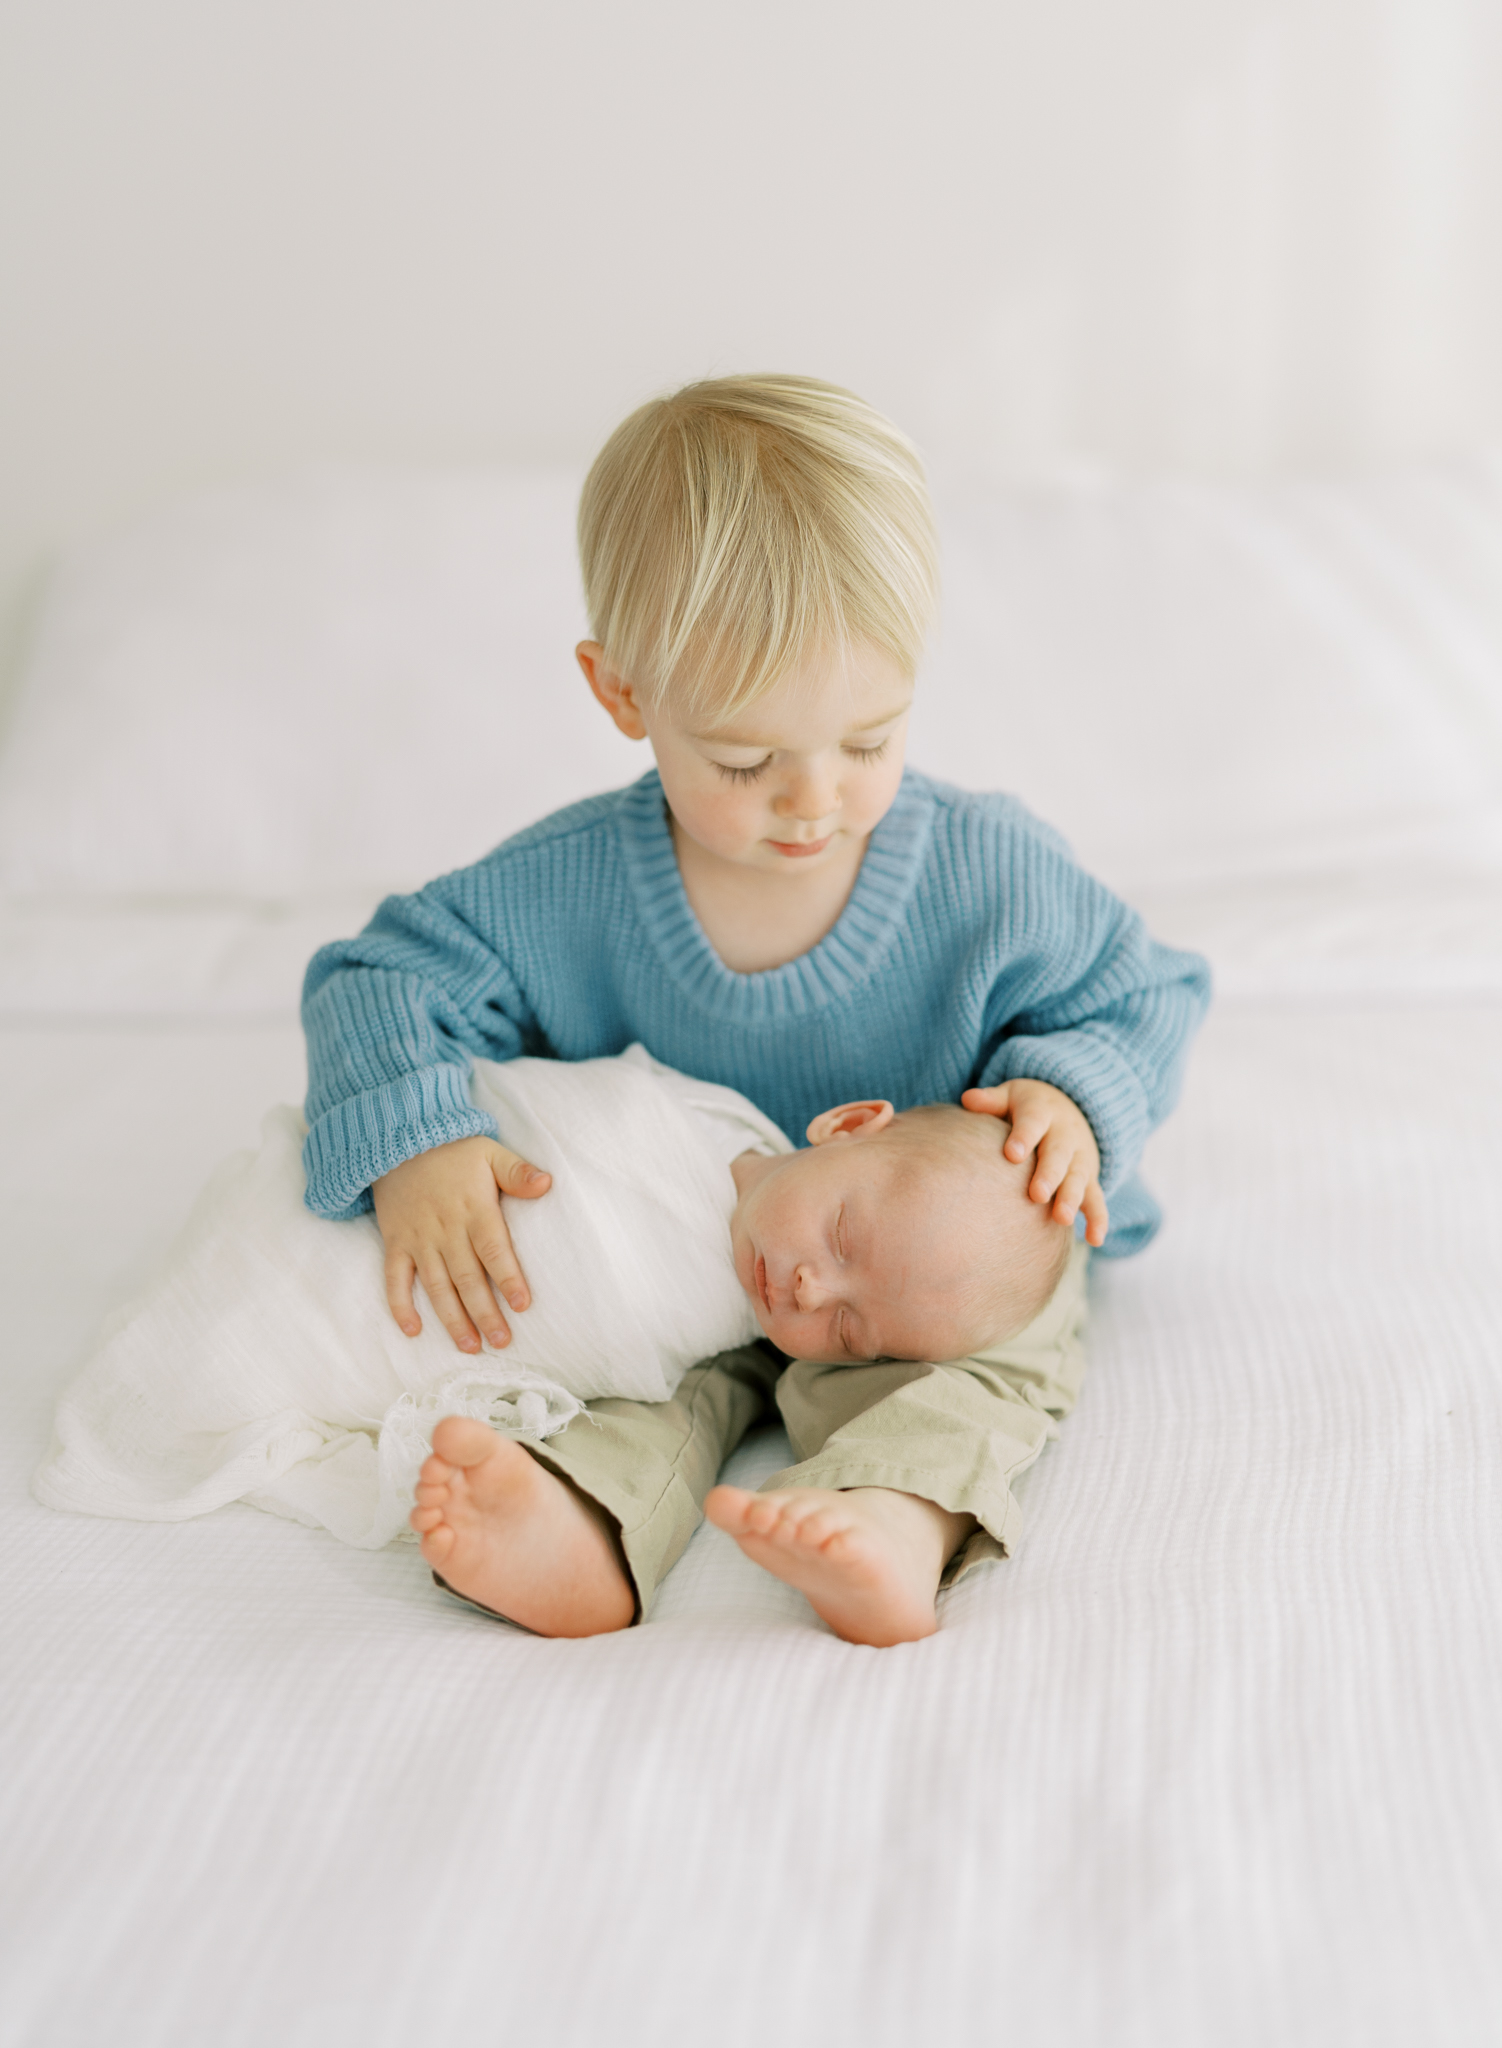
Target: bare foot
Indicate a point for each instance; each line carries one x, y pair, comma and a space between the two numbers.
868, 1559
501, 1528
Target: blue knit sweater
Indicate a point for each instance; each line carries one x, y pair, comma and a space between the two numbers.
972, 950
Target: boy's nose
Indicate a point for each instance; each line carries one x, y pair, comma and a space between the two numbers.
809, 799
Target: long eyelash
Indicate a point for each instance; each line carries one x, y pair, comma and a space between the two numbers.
742, 774
869, 753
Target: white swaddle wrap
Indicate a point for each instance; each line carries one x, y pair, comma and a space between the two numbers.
262, 1363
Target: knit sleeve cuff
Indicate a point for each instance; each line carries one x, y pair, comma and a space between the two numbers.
1093, 1074
363, 1137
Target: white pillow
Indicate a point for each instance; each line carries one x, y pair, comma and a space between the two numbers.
330, 683
1198, 680
336, 683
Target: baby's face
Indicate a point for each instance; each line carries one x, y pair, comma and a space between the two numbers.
844, 1258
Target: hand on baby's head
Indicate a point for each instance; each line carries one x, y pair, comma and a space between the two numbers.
894, 1237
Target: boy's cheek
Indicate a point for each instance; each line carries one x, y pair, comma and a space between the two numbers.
719, 820
874, 796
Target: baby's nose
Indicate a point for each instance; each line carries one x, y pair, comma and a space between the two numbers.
809, 1292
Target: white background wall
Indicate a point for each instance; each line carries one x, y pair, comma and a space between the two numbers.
1210, 233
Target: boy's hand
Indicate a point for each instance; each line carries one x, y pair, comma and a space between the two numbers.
1044, 1120
440, 1215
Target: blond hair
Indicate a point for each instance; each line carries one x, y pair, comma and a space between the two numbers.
729, 530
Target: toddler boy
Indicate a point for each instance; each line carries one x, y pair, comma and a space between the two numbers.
782, 908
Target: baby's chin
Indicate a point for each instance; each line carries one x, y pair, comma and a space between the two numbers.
768, 1323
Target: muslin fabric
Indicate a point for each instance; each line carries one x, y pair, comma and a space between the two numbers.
263, 1364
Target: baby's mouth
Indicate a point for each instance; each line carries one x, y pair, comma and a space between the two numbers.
759, 1274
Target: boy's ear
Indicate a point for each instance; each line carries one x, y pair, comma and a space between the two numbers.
614, 692
849, 1118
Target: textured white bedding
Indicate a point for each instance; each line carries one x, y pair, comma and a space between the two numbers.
1215, 1762
1215, 1759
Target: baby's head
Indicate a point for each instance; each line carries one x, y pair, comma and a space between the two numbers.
760, 569
894, 1236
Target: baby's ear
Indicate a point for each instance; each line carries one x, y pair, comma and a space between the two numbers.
849, 1118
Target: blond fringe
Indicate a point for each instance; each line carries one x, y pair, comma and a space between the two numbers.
731, 529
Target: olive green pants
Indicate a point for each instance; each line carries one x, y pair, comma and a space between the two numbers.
955, 1434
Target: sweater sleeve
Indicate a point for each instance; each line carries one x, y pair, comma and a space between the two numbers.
393, 1019
1093, 1004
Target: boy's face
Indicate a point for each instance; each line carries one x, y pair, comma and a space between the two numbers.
842, 1259
795, 781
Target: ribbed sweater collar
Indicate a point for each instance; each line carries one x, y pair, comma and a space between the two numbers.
845, 957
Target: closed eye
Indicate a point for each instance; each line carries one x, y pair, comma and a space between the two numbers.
753, 774
851, 1343
869, 753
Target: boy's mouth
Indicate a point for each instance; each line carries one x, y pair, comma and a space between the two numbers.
796, 850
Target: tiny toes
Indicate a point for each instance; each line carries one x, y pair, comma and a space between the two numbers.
746, 1514
422, 1519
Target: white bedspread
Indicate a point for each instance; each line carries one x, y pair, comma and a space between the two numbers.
1215, 1759
262, 1364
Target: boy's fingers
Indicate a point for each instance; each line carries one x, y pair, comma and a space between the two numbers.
474, 1290
517, 1176
987, 1101
1071, 1188
446, 1304
494, 1250
400, 1273
1097, 1216
1055, 1156
1028, 1126
1030, 1130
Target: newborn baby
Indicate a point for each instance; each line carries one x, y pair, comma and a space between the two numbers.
262, 1365
893, 1236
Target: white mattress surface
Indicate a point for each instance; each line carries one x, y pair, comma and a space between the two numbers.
1216, 1759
